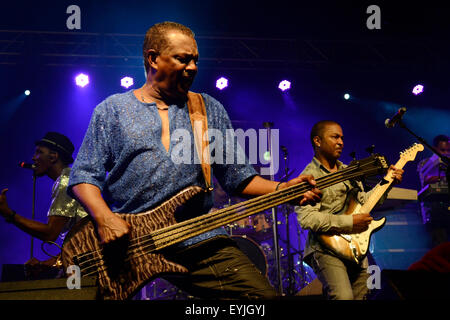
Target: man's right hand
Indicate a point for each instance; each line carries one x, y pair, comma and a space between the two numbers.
361, 222
111, 227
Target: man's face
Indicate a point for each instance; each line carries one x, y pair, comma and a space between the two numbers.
42, 160
444, 148
332, 141
176, 65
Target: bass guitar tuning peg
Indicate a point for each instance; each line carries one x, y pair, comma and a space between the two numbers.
370, 149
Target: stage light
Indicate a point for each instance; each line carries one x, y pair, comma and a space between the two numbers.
284, 85
346, 96
126, 82
222, 83
27, 92
417, 89
82, 80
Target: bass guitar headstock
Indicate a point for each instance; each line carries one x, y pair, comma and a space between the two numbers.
374, 165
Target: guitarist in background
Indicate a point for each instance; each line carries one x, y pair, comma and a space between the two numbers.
124, 165
341, 280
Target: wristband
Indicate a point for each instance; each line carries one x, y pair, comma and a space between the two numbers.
278, 185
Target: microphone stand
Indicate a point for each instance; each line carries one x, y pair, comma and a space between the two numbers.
290, 290
303, 281
269, 125
33, 210
444, 159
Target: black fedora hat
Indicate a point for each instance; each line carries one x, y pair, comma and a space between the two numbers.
59, 143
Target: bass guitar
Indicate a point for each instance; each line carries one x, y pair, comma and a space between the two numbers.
354, 246
122, 272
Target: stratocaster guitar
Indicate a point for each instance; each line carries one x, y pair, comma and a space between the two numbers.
122, 272
354, 246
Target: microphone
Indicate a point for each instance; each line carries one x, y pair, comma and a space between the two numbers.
27, 165
390, 123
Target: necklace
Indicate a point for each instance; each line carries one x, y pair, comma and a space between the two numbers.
143, 100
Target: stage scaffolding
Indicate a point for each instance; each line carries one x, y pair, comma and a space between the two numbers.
112, 50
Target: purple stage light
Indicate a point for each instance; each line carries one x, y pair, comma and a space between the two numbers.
418, 89
222, 83
284, 85
126, 82
82, 80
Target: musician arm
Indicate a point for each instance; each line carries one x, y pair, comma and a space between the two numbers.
311, 218
110, 226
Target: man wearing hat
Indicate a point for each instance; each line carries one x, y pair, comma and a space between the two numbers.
52, 157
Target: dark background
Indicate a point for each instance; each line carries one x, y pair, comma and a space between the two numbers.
324, 48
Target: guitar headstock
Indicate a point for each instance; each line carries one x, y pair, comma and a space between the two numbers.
370, 166
410, 153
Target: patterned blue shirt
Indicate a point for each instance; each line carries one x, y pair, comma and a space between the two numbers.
122, 154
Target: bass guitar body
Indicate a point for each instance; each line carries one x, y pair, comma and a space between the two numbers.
129, 263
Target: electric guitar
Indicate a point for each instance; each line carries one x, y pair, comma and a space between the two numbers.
354, 246
122, 271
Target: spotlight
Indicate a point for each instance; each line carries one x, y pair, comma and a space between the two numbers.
82, 80
417, 89
222, 83
27, 92
284, 85
346, 96
126, 82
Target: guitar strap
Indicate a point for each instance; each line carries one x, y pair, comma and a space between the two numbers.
199, 122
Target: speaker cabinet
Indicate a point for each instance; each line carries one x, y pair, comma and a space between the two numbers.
408, 285
49, 289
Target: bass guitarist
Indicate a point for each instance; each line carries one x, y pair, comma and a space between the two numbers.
341, 279
126, 165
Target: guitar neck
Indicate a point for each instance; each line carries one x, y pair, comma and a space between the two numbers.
196, 226
380, 189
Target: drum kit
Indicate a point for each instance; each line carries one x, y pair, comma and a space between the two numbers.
255, 237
